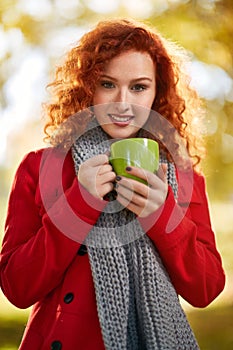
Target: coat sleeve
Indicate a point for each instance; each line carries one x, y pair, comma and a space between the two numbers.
40, 242
187, 248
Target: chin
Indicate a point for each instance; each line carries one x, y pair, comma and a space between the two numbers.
122, 134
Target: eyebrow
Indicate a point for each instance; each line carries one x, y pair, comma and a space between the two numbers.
104, 76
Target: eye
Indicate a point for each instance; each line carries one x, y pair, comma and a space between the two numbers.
139, 87
107, 84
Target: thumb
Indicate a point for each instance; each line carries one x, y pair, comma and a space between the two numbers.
162, 172
107, 153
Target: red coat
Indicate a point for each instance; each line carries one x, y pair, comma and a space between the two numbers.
41, 266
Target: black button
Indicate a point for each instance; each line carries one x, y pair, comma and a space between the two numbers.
56, 345
82, 250
68, 298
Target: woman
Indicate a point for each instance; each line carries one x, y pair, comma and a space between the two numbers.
102, 258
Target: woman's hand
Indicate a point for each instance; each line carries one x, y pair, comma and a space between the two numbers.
96, 176
141, 199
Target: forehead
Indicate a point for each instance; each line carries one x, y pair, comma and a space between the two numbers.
130, 63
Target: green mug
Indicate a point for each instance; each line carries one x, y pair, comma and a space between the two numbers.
139, 152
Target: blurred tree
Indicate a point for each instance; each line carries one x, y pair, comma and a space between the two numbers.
204, 27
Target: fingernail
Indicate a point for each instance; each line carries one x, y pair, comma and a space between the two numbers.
128, 168
118, 178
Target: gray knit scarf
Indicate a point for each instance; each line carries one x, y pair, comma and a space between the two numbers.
138, 307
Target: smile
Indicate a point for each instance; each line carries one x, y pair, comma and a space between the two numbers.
120, 118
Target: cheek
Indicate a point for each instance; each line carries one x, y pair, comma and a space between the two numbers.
142, 110
100, 110
150, 100
96, 99
146, 101
100, 98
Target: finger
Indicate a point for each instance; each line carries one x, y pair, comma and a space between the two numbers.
104, 189
106, 168
109, 176
137, 209
131, 195
130, 185
152, 179
97, 160
126, 203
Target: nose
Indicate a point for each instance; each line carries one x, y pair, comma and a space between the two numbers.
123, 103
122, 107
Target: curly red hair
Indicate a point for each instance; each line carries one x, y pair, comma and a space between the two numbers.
76, 79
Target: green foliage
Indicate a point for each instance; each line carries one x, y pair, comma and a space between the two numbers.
202, 27
213, 327
208, 35
11, 331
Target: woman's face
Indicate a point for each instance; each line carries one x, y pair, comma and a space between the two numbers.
125, 93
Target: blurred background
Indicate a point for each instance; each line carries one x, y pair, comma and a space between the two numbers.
34, 35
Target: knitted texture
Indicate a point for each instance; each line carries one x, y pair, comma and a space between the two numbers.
138, 307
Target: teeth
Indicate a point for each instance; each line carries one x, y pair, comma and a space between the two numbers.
120, 119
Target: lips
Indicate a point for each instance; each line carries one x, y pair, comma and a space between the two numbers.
120, 120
